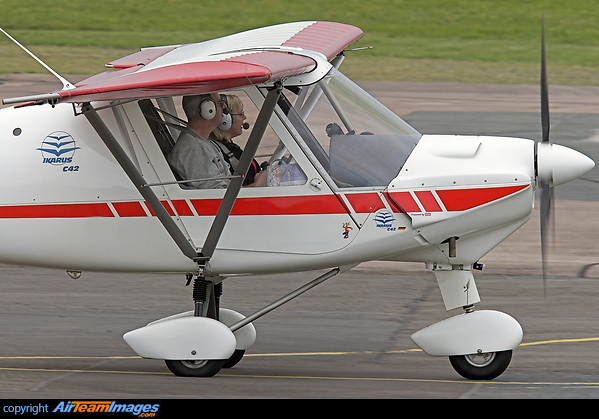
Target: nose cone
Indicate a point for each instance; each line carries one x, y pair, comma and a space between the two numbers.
557, 164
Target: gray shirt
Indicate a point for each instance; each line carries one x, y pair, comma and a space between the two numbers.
194, 157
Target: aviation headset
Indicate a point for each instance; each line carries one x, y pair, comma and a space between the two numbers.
208, 108
228, 117
202, 106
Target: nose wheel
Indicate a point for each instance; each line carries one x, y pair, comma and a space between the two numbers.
481, 366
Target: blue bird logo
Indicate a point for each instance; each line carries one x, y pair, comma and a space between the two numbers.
384, 218
58, 148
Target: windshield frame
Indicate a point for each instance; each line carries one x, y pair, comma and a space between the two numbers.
371, 130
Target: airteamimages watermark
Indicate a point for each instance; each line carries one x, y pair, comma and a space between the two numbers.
142, 410
91, 407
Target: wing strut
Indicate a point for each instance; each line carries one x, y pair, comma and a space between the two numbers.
245, 161
144, 189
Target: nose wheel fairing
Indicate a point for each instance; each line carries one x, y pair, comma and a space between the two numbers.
476, 332
479, 343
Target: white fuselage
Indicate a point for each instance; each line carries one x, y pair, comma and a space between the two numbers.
71, 206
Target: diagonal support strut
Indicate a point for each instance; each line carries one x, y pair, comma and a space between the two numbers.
284, 299
243, 166
139, 182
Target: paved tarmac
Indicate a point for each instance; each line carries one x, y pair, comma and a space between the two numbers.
349, 337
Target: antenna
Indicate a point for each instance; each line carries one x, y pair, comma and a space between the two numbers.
66, 85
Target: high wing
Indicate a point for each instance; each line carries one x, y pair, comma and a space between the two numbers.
257, 56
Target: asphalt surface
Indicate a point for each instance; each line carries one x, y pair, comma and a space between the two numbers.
349, 337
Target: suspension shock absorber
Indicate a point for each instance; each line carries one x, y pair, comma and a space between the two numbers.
206, 294
200, 290
218, 292
200, 295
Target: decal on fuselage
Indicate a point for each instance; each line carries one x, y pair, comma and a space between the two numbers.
346, 230
384, 219
58, 149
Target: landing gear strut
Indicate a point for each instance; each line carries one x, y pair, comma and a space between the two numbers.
206, 298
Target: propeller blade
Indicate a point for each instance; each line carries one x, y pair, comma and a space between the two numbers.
546, 203
544, 90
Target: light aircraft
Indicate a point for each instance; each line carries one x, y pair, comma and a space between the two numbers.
348, 182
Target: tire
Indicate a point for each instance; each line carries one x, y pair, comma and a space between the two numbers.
235, 358
485, 366
195, 368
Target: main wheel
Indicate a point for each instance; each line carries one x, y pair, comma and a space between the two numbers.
484, 366
235, 358
195, 368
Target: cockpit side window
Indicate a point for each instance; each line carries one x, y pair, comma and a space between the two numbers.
157, 125
273, 163
357, 140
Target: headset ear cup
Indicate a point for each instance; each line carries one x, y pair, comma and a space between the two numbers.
227, 122
208, 109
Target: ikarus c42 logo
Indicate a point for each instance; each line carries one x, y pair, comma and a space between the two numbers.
58, 149
384, 219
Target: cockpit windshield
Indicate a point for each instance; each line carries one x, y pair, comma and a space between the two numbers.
356, 140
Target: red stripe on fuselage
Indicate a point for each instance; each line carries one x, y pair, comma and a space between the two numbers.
428, 201
56, 211
129, 209
452, 199
365, 202
464, 199
285, 205
405, 201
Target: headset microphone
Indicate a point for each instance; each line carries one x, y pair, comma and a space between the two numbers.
245, 125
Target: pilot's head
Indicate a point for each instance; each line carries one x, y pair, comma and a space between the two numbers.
208, 107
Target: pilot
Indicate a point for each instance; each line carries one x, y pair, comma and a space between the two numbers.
194, 155
233, 126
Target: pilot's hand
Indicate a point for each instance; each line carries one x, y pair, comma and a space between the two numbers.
260, 178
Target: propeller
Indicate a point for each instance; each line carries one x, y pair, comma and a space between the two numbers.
545, 181
555, 165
